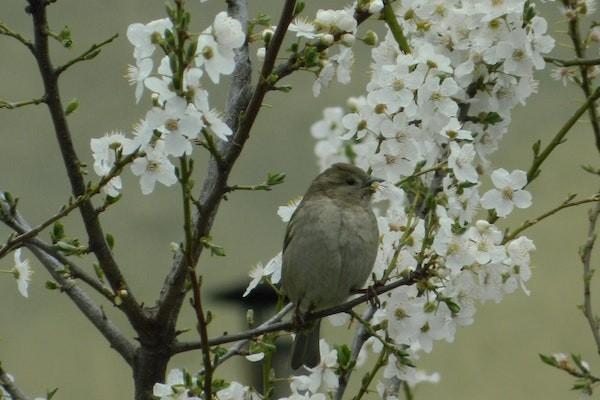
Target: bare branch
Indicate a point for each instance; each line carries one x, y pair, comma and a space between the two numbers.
215, 184
566, 204
538, 159
360, 337
97, 239
17, 104
586, 84
7, 384
87, 306
66, 209
234, 350
6, 31
573, 62
411, 279
588, 272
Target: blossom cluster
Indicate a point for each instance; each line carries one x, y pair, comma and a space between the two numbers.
427, 124
179, 117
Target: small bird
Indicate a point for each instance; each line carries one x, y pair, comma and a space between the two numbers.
329, 249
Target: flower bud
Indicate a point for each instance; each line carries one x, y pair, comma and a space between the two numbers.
266, 35
370, 38
327, 39
348, 39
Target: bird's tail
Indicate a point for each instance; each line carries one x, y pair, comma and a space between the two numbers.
305, 350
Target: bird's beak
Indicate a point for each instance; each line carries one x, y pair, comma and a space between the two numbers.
373, 183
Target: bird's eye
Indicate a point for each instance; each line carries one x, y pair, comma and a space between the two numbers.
351, 181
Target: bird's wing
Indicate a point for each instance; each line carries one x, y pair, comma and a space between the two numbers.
289, 231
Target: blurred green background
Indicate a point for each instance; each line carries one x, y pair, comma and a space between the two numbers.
45, 342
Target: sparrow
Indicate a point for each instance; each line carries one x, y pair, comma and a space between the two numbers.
329, 249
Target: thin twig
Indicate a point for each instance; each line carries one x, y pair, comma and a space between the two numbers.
6, 31
586, 84
71, 205
566, 204
360, 337
90, 53
392, 22
17, 104
573, 62
97, 239
7, 384
411, 279
88, 307
588, 272
235, 349
17, 222
534, 170
241, 113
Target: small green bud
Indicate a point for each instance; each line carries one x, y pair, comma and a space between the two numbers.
370, 38
72, 106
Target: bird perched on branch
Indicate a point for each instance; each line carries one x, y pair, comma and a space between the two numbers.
329, 249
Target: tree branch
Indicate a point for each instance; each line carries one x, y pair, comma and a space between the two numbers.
538, 159
573, 62
411, 279
6, 31
17, 104
66, 209
90, 53
586, 84
588, 272
566, 204
7, 384
233, 350
215, 184
392, 22
97, 240
86, 305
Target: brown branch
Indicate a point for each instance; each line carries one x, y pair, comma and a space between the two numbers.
95, 233
6, 31
215, 184
570, 63
566, 204
586, 84
411, 279
66, 210
588, 272
55, 266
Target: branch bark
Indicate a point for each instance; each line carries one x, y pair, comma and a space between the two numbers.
86, 305
7, 384
586, 257
97, 240
215, 185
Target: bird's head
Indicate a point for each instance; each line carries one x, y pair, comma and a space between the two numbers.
344, 182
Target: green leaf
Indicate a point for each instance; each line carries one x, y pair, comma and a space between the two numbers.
58, 232
263, 20
50, 285
50, 394
72, 106
110, 240
344, 355
275, 178
548, 360
299, 8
